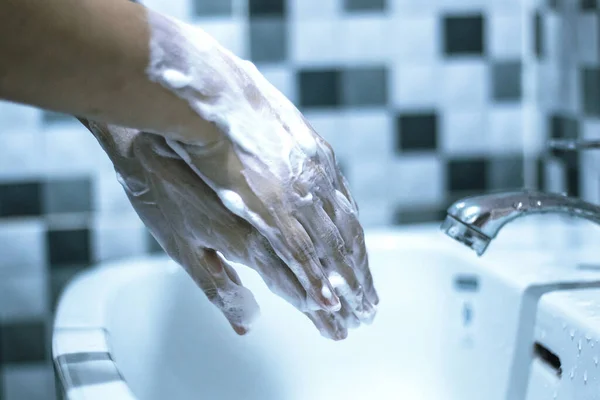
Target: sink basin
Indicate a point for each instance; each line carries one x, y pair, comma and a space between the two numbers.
449, 326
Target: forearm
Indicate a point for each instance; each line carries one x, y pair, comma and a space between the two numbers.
87, 58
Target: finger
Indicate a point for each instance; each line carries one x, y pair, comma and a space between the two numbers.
257, 203
330, 325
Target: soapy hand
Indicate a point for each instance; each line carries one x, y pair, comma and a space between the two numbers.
255, 184
191, 223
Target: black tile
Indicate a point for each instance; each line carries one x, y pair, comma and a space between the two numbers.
319, 88
417, 131
364, 5
588, 5
563, 127
506, 172
591, 91
68, 195
464, 35
418, 216
261, 8
20, 199
541, 173
554, 4
538, 35
59, 278
467, 175
268, 39
572, 181
67, 248
506, 81
365, 86
23, 342
212, 8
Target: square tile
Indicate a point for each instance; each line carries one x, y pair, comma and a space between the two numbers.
505, 129
23, 342
367, 180
590, 91
68, 247
109, 196
417, 131
415, 86
18, 199
29, 382
59, 279
408, 216
464, 35
329, 124
364, 86
314, 9
315, 43
588, 39
267, 7
411, 188
588, 5
363, 38
282, 77
506, 173
505, 35
416, 38
22, 248
467, 175
506, 81
364, 5
573, 182
117, 236
19, 118
464, 85
563, 127
268, 40
369, 134
231, 33
70, 150
538, 35
23, 297
67, 195
21, 155
319, 88
52, 117
375, 214
464, 133
212, 7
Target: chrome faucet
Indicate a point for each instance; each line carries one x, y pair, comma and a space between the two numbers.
475, 221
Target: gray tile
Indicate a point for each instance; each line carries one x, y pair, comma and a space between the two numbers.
506, 81
418, 216
23, 342
51, 117
213, 7
261, 8
467, 175
319, 88
268, 40
591, 91
505, 173
364, 86
18, 199
364, 5
152, 245
68, 195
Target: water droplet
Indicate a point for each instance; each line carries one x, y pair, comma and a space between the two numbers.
555, 395
579, 346
543, 334
518, 206
572, 374
564, 326
585, 377
539, 203
572, 334
588, 337
596, 360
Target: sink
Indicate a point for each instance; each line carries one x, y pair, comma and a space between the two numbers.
450, 326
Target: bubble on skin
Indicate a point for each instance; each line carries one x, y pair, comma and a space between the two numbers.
233, 202
176, 79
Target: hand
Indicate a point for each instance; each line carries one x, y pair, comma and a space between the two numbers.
191, 224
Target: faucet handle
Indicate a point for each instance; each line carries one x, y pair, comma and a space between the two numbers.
573, 144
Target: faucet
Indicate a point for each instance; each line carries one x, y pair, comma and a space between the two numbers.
475, 221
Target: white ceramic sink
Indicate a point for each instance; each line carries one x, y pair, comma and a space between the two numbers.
450, 326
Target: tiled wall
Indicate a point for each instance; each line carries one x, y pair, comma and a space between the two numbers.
423, 100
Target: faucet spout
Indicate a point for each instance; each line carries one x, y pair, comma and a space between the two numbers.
475, 221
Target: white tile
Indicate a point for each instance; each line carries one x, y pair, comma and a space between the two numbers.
465, 84
18, 118
507, 5
369, 180
328, 124
588, 46
548, 87
462, 5
229, 32
417, 180
464, 133
364, 38
506, 129
117, 236
23, 297
590, 182
70, 149
591, 129
282, 78
414, 38
399, 7
22, 248
21, 154
554, 34
554, 176
371, 133
29, 382
109, 196
505, 35
415, 85
314, 9
315, 42
180, 9
375, 214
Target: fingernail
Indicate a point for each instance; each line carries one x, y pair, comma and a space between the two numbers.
330, 300
240, 330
